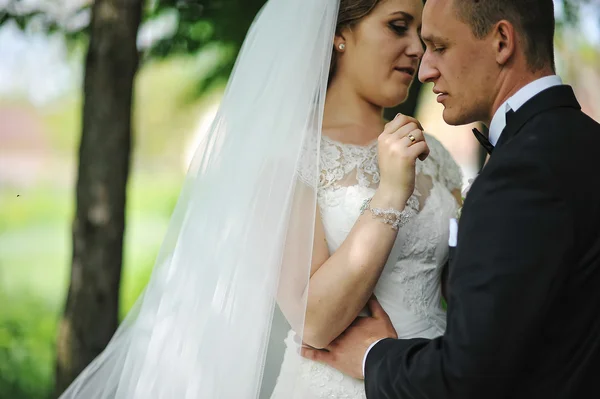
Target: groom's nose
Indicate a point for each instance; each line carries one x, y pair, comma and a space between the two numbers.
428, 72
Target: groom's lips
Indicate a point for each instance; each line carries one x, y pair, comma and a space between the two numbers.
441, 95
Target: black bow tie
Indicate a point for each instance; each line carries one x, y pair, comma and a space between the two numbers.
484, 141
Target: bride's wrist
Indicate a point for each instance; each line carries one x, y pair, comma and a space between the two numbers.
389, 199
390, 209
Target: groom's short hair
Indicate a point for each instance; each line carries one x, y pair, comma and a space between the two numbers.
533, 19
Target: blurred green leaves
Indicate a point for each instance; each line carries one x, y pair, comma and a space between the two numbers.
201, 25
26, 350
204, 25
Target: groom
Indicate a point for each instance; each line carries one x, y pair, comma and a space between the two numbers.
524, 283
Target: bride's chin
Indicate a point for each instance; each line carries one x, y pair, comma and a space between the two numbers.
396, 99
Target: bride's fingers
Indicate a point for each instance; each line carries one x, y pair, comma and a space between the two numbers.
403, 137
419, 150
399, 121
403, 131
413, 137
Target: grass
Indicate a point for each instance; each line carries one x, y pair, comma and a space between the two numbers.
27, 332
34, 270
35, 219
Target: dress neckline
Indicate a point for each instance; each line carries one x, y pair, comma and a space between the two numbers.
336, 142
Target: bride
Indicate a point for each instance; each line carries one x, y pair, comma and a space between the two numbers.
355, 254
296, 202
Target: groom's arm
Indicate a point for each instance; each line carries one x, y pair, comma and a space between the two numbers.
515, 235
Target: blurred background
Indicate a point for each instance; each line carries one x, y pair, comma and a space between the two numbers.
119, 92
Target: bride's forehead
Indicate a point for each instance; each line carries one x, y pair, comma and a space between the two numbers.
390, 7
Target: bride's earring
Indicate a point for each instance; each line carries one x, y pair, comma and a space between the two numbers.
342, 46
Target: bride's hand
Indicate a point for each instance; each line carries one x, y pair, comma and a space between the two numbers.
400, 145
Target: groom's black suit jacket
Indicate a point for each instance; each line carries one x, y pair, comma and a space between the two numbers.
524, 281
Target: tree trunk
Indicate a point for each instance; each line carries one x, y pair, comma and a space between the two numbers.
409, 107
91, 313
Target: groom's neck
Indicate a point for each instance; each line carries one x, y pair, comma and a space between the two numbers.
513, 81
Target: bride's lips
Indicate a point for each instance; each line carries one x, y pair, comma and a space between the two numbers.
408, 72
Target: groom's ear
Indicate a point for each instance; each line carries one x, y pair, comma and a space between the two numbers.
504, 41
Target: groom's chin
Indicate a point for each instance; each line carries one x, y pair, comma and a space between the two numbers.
451, 118
455, 118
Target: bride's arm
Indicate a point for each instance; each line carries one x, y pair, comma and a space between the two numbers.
341, 284
338, 286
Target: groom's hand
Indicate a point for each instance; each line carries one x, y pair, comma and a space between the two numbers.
347, 352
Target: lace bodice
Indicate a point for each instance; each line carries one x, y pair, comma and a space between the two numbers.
409, 287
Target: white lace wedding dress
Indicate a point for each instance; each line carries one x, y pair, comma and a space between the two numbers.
409, 287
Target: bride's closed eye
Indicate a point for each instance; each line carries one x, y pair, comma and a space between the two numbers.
398, 28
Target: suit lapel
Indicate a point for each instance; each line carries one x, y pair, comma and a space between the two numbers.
553, 97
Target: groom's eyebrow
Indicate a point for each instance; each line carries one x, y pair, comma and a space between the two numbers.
433, 39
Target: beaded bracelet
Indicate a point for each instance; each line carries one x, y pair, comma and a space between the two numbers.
390, 216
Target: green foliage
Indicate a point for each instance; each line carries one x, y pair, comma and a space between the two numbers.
35, 221
571, 10
27, 329
26, 13
33, 259
34, 264
33, 278
167, 107
203, 24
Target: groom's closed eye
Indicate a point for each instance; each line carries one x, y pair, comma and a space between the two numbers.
434, 41
435, 47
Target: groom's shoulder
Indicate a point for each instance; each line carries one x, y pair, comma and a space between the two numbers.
558, 133
560, 143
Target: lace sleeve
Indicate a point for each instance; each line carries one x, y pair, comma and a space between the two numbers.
308, 165
448, 171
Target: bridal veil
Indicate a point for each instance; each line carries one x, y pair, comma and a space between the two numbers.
238, 248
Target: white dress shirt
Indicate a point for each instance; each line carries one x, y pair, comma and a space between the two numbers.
497, 125
517, 100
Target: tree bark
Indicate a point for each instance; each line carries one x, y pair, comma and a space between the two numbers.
91, 313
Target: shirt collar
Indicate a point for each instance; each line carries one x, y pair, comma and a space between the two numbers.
517, 100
